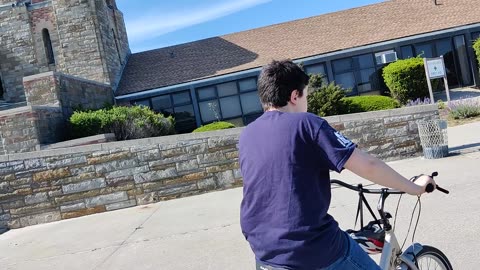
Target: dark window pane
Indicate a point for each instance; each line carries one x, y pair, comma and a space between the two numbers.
425, 50
248, 84
251, 103
185, 119
315, 69
346, 80
227, 89
230, 107
206, 93
364, 87
161, 102
342, 65
459, 42
476, 35
444, 47
364, 61
210, 111
407, 52
367, 75
181, 98
144, 102
165, 112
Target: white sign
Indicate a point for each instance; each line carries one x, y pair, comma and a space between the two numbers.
436, 69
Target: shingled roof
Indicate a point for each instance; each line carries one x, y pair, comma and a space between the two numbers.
294, 40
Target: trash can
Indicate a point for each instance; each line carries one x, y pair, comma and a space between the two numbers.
433, 138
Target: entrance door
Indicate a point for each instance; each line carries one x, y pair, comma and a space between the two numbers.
445, 48
463, 63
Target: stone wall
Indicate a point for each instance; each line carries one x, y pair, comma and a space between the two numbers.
24, 129
17, 51
59, 184
66, 91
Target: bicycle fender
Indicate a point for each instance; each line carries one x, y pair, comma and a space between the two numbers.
408, 256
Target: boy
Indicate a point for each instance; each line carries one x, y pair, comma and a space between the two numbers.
285, 158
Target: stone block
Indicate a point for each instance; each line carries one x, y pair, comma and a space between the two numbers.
76, 196
66, 162
196, 149
82, 170
395, 119
147, 198
51, 175
115, 165
127, 172
36, 198
106, 199
13, 204
74, 179
223, 167
177, 189
29, 209
231, 155
207, 184
40, 218
84, 212
219, 142
155, 175
72, 207
168, 162
84, 186
149, 155
109, 157
211, 157
8, 177
120, 205
225, 179
173, 152
188, 165
237, 174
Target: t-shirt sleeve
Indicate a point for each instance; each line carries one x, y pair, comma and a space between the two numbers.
333, 146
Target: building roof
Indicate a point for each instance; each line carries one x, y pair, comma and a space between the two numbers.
298, 39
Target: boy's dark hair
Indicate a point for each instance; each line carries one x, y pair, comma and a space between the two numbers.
277, 81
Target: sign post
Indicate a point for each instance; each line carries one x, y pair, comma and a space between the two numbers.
435, 68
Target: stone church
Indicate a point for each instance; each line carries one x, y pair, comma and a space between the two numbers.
55, 55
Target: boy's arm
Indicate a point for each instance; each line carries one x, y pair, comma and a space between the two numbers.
375, 170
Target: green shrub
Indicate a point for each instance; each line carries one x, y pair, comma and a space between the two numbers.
325, 100
214, 126
126, 123
370, 103
476, 47
406, 79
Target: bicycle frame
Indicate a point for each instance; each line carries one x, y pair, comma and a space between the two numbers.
392, 255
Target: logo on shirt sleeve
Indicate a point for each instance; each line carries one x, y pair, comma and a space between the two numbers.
342, 140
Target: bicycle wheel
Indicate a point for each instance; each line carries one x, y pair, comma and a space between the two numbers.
432, 258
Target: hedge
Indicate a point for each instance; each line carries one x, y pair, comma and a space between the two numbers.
370, 103
215, 126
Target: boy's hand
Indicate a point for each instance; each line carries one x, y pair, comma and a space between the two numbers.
422, 181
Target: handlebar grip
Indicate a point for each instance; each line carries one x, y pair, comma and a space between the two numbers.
429, 188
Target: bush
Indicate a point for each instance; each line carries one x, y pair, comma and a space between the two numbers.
406, 79
464, 108
476, 47
126, 123
370, 103
215, 126
419, 101
326, 100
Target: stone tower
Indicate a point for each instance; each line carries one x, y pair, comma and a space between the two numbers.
82, 38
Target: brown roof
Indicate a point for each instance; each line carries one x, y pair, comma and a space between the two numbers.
294, 40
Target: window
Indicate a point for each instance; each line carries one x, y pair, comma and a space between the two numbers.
385, 57
116, 45
47, 44
475, 36
318, 69
407, 52
358, 73
179, 105
228, 100
425, 50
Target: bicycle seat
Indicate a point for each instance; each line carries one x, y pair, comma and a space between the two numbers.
262, 266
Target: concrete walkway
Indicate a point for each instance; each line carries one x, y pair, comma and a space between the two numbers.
203, 232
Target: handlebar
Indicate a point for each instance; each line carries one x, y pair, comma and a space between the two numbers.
429, 188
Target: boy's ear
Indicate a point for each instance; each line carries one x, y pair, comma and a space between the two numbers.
294, 96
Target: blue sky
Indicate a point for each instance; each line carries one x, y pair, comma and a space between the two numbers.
164, 23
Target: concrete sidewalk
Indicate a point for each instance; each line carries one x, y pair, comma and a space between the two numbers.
203, 232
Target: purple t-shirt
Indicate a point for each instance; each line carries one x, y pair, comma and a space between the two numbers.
285, 160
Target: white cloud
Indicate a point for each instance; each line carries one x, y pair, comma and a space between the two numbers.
151, 26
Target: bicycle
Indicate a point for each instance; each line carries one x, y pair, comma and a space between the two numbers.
416, 256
